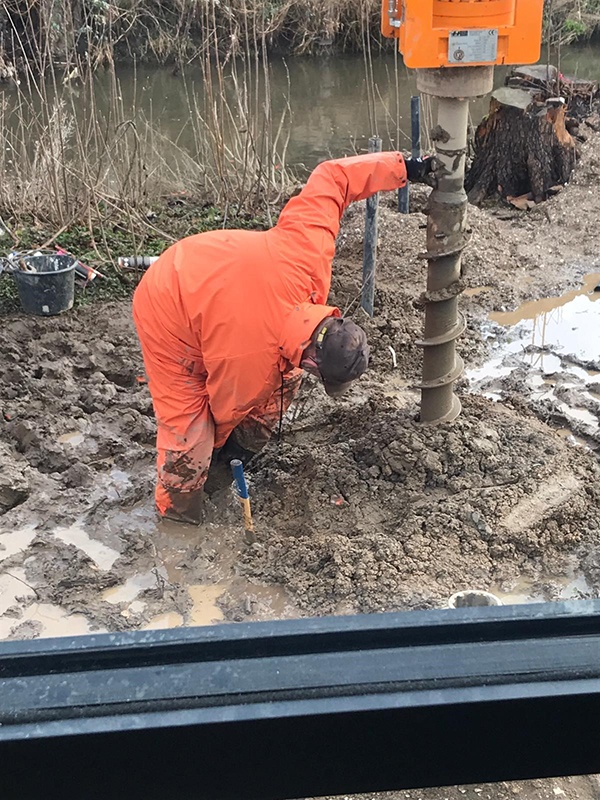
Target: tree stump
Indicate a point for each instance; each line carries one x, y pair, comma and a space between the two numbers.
580, 94
522, 148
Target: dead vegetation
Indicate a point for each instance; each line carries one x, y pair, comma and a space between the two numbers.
568, 21
75, 150
72, 153
177, 30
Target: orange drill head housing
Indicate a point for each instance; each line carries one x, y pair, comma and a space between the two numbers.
456, 33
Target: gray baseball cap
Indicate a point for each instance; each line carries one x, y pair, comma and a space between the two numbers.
342, 354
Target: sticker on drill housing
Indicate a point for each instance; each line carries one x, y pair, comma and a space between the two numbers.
474, 46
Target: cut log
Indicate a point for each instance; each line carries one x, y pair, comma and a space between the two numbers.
541, 76
521, 148
543, 80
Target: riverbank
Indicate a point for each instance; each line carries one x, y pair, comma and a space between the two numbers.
166, 166
113, 151
169, 32
175, 32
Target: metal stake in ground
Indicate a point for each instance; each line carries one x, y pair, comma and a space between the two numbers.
415, 131
370, 245
446, 236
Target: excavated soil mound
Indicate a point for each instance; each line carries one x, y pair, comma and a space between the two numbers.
375, 512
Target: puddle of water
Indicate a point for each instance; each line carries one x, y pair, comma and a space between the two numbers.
120, 478
130, 589
550, 364
536, 309
532, 591
16, 541
566, 433
171, 619
476, 290
47, 621
273, 604
210, 543
73, 438
104, 557
545, 337
205, 610
581, 415
120, 481
568, 325
275, 599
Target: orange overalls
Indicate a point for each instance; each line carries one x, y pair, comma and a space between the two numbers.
223, 319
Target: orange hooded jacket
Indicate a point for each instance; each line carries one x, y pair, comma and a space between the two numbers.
242, 305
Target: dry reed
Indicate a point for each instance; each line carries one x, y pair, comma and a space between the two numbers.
69, 154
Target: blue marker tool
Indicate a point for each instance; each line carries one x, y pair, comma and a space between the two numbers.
242, 491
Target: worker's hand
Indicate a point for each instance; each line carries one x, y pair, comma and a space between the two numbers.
420, 170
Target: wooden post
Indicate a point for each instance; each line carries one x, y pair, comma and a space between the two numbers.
370, 245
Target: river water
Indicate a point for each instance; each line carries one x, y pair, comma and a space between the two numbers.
329, 99
329, 111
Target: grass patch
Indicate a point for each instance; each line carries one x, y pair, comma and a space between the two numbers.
102, 246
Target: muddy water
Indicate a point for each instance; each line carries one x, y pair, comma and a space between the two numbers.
103, 557
329, 112
552, 348
550, 587
73, 438
190, 578
328, 100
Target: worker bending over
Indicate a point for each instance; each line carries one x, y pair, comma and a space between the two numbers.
228, 320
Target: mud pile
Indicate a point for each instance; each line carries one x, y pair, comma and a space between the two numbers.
73, 399
377, 512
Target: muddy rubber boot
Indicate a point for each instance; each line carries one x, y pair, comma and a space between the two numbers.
187, 507
219, 476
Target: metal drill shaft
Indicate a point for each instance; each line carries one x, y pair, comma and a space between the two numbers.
446, 237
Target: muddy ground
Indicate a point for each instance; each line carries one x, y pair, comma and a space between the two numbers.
358, 509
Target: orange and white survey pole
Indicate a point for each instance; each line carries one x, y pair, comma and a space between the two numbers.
454, 45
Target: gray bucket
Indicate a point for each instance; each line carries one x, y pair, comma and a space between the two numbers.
47, 287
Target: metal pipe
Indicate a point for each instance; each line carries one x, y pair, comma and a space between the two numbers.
370, 245
130, 262
415, 130
415, 125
